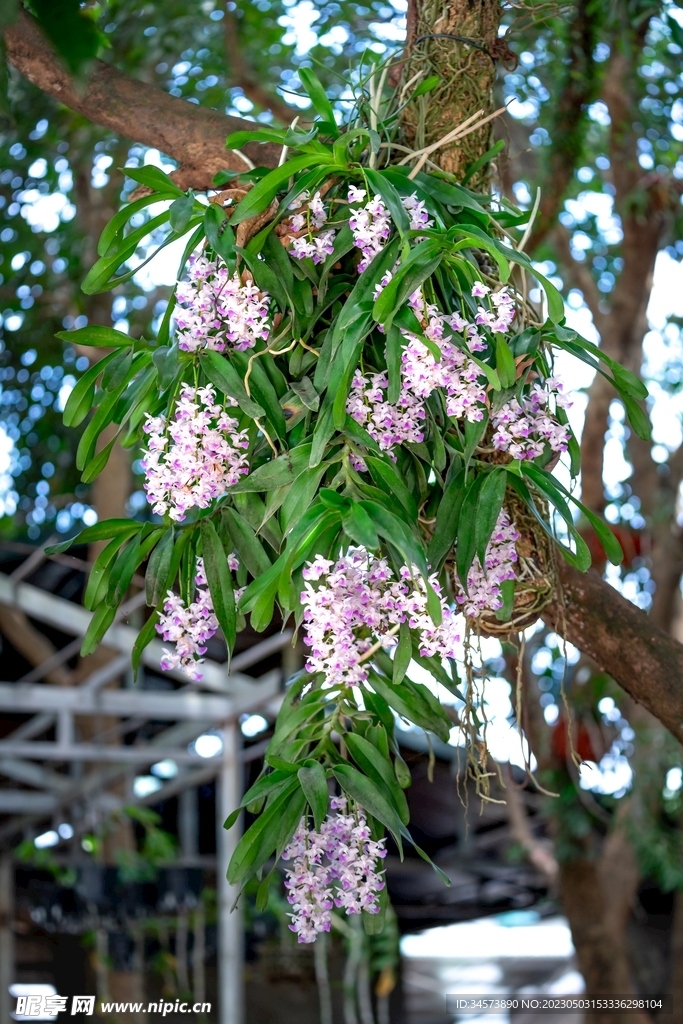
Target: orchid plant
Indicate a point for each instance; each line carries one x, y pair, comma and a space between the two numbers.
348, 403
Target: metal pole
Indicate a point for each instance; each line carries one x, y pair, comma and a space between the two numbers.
6, 935
188, 823
230, 932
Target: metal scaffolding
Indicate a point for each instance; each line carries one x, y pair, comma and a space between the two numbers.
42, 794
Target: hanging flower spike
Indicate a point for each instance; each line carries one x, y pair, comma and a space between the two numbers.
483, 585
316, 247
500, 319
194, 458
370, 226
215, 309
419, 218
189, 628
523, 430
388, 425
358, 602
336, 867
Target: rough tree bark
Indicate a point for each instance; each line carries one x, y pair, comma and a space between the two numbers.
192, 135
458, 41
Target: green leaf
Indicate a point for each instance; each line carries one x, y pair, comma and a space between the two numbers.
638, 419
315, 90
117, 370
466, 546
314, 784
220, 581
403, 654
99, 624
290, 818
450, 194
489, 504
154, 178
95, 337
261, 839
262, 892
249, 549
284, 766
397, 533
507, 592
112, 238
324, 429
277, 473
380, 770
555, 301
434, 605
393, 354
166, 359
158, 567
366, 793
410, 701
101, 419
385, 474
97, 580
124, 568
505, 363
447, 519
143, 639
307, 393
262, 194
219, 233
610, 544
265, 786
238, 139
300, 496
80, 400
358, 525
382, 187
262, 390
180, 212
419, 265
100, 531
93, 468
483, 160
426, 85
225, 377
548, 486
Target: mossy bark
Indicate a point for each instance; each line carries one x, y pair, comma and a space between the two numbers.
458, 41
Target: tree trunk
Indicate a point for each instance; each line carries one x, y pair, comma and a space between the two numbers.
597, 896
458, 42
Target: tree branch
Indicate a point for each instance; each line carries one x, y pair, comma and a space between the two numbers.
242, 76
192, 135
624, 642
578, 89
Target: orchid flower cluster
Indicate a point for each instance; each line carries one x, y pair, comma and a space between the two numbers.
387, 424
196, 456
463, 382
483, 583
189, 627
358, 603
218, 311
315, 247
523, 430
336, 867
370, 225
